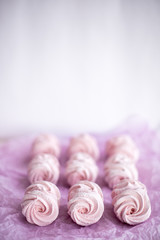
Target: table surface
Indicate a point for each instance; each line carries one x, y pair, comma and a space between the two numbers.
14, 158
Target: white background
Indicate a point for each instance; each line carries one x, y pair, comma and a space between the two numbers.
78, 65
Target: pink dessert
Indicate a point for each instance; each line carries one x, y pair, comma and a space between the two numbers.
117, 168
85, 203
123, 145
84, 143
46, 143
40, 204
131, 202
81, 166
43, 167
44, 186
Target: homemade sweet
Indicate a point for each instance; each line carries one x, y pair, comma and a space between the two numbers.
43, 167
81, 166
131, 202
44, 186
84, 143
40, 204
123, 145
117, 169
46, 143
120, 158
85, 203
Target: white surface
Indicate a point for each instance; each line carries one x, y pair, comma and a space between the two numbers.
78, 65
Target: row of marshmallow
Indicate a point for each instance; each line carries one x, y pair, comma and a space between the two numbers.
83, 153
40, 204
129, 196
41, 201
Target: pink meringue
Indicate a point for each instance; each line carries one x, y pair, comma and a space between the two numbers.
40, 204
84, 186
43, 167
123, 144
127, 184
46, 144
84, 143
44, 186
131, 202
85, 203
120, 158
115, 170
81, 166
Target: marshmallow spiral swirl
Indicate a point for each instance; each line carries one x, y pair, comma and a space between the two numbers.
44, 186
84, 143
81, 166
40, 204
85, 203
117, 168
43, 167
123, 144
131, 202
46, 143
